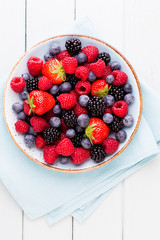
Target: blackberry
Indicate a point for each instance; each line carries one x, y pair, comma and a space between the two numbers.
72, 79
69, 118
116, 125
96, 106
76, 140
73, 46
97, 153
117, 92
105, 57
51, 134
32, 84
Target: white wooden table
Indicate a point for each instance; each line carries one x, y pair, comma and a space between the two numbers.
132, 210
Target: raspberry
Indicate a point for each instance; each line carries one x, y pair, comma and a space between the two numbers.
66, 100
65, 147
27, 108
63, 54
80, 155
69, 64
39, 124
34, 65
17, 84
98, 68
62, 136
107, 72
120, 78
40, 143
73, 92
49, 154
120, 108
91, 52
21, 126
63, 126
78, 109
108, 110
44, 84
83, 87
48, 115
82, 73
110, 145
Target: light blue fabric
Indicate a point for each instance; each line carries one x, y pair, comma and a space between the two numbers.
42, 192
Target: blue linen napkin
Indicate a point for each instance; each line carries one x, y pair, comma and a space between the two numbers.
43, 192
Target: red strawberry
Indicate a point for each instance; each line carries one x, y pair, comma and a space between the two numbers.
70, 64
83, 87
110, 145
63, 126
108, 110
54, 71
120, 108
100, 88
27, 108
39, 142
66, 100
34, 65
82, 73
91, 52
65, 147
48, 115
39, 124
49, 154
40, 102
73, 92
80, 155
17, 84
21, 126
107, 72
63, 54
62, 136
44, 84
78, 109
97, 130
98, 68
120, 78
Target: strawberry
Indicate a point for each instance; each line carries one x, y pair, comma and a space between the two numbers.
39, 142
40, 102
65, 147
66, 100
107, 72
83, 87
63, 54
120, 78
34, 65
91, 52
54, 71
82, 73
62, 136
78, 109
73, 92
21, 126
110, 145
98, 68
44, 84
100, 88
17, 84
80, 155
120, 108
97, 130
49, 154
27, 108
70, 64
39, 124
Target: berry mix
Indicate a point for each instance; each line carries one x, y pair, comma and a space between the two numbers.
72, 102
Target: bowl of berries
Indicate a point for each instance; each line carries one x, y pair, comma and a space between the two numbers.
72, 103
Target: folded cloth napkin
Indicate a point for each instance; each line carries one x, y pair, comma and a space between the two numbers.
54, 195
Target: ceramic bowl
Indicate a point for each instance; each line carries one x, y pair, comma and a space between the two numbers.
10, 97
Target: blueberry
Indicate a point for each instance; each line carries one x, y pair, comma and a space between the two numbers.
32, 132
129, 98
54, 90
128, 120
81, 58
47, 57
57, 109
91, 77
17, 107
109, 79
54, 49
128, 88
83, 120
23, 95
21, 116
64, 160
70, 133
115, 66
109, 100
79, 129
86, 143
26, 76
65, 87
55, 122
121, 136
108, 118
29, 140
83, 100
